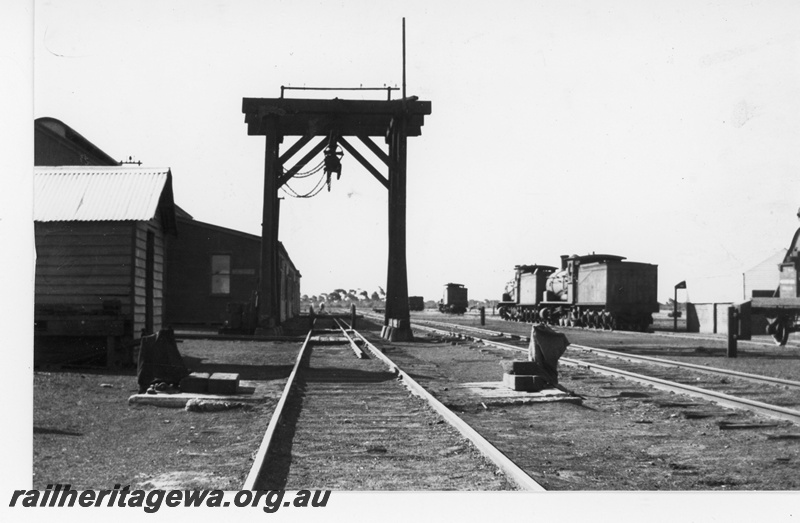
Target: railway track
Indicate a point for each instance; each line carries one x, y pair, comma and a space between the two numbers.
346, 420
753, 343
764, 395
623, 435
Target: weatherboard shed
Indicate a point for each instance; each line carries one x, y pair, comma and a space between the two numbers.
100, 236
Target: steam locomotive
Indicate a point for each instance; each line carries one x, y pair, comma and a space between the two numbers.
595, 290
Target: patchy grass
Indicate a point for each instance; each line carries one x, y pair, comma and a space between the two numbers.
85, 433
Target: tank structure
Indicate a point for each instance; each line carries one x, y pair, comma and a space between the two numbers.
782, 310
455, 299
595, 290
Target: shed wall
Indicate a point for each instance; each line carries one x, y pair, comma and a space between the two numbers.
189, 273
191, 300
81, 265
139, 289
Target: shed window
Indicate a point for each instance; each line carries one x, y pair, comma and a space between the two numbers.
220, 274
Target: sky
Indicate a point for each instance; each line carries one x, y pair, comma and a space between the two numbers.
665, 132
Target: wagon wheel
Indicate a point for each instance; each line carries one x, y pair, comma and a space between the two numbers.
545, 314
503, 313
781, 334
612, 321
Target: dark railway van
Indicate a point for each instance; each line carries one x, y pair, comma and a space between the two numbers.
416, 303
596, 290
454, 300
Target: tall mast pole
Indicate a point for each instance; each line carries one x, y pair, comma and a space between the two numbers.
404, 58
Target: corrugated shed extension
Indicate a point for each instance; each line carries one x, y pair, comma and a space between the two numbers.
98, 193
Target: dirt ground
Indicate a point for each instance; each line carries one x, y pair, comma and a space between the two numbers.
624, 436
86, 434
759, 356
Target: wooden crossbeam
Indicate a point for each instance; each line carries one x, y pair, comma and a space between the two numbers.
299, 144
363, 161
377, 151
303, 161
302, 117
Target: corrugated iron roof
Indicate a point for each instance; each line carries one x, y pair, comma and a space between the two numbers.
95, 193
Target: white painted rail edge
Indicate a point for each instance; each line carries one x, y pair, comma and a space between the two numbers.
266, 442
518, 476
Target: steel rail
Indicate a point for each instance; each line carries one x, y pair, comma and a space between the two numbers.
773, 411
756, 378
464, 327
359, 353
260, 458
680, 335
726, 400
509, 468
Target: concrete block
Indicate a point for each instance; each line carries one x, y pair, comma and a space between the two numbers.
196, 382
523, 367
223, 383
521, 382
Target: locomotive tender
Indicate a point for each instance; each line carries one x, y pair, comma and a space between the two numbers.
595, 290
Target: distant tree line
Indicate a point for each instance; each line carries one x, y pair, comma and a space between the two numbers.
375, 299
345, 297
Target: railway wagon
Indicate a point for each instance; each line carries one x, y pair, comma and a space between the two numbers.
416, 303
596, 290
782, 310
455, 299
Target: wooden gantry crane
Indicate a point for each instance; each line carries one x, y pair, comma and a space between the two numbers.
335, 123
